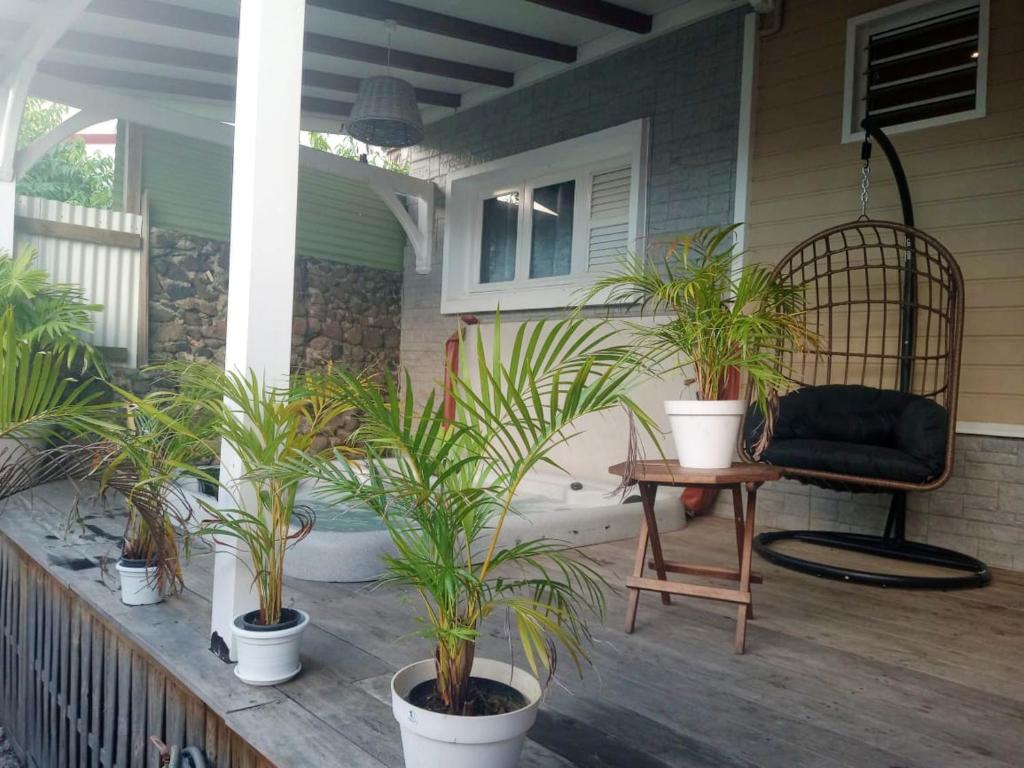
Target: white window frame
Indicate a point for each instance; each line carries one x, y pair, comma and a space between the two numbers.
857, 29
576, 160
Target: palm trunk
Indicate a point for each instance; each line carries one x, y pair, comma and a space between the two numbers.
454, 664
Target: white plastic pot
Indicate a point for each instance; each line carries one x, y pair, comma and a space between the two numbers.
435, 740
268, 656
138, 584
705, 431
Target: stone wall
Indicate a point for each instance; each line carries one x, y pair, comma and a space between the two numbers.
345, 314
687, 83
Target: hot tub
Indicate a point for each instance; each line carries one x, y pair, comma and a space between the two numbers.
348, 541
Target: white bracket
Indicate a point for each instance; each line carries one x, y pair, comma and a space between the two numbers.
419, 231
35, 151
19, 67
12, 103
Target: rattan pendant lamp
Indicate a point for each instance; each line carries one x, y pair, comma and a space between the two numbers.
386, 113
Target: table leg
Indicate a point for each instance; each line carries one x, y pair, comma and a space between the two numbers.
737, 512
748, 545
648, 534
633, 599
648, 494
737, 509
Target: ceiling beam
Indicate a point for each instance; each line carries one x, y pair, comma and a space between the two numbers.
168, 15
186, 58
180, 17
413, 62
604, 12
451, 26
114, 78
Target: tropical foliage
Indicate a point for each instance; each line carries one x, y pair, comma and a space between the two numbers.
445, 488
68, 173
262, 426
720, 316
39, 393
36, 394
51, 315
143, 460
346, 146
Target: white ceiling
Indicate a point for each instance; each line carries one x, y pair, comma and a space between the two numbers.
591, 38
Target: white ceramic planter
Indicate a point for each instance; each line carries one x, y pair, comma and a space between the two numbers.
138, 584
434, 740
705, 431
268, 657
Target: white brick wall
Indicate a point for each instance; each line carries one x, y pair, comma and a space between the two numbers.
979, 512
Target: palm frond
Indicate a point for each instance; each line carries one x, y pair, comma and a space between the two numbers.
52, 315
36, 393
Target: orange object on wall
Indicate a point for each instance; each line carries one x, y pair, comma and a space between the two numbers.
451, 364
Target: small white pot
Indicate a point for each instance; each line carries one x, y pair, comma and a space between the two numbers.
435, 740
138, 584
268, 656
705, 431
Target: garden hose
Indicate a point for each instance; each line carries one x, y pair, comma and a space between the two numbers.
176, 757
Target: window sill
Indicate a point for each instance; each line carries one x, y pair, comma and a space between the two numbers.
559, 296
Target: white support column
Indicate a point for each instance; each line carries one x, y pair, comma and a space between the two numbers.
262, 265
13, 93
7, 199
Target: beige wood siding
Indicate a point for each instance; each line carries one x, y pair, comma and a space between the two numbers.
966, 179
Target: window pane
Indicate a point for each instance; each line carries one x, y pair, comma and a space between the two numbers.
498, 244
551, 244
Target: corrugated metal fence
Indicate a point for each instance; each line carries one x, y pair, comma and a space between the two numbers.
104, 252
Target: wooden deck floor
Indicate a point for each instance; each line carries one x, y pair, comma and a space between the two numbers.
835, 675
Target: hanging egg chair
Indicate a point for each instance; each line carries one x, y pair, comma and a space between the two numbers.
872, 408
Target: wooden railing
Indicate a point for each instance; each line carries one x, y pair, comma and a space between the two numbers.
74, 693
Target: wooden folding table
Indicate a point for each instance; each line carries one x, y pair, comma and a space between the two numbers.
648, 475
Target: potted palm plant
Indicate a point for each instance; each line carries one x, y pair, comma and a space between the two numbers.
713, 317
444, 488
259, 513
143, 460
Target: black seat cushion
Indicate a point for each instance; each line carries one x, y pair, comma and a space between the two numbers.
855, 430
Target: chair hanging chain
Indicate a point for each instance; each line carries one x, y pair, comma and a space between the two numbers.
865, 178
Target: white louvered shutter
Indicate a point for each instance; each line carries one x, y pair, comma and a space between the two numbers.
609, 218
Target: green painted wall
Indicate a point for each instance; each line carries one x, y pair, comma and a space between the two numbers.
189, 185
